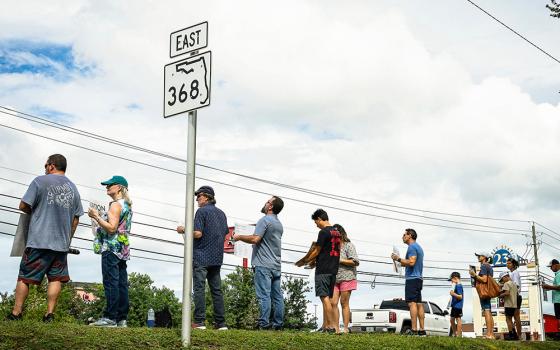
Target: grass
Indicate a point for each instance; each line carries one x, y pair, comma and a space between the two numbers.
36, 335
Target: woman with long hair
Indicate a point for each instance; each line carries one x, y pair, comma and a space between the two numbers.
112, 243
346, 279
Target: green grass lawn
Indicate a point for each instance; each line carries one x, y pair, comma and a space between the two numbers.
36, 335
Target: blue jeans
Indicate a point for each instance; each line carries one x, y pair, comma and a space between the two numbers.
268, 289
115, 284
212, 274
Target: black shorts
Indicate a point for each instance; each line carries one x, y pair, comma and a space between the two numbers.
519, 301
456, 313
324, 285
557, 310
413, 290
509, 311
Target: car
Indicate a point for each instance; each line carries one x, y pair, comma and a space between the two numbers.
393, 316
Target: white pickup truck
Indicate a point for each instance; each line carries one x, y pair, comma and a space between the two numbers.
393, 316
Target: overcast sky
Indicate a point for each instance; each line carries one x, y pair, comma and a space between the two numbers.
425, 105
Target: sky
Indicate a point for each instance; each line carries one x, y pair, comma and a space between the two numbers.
431, 106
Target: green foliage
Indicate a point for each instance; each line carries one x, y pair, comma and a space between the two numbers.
295, 304
554, 8
71, 308
242, 310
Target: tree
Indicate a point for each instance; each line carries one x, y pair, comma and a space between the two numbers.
554, 8
295, 304
240, 300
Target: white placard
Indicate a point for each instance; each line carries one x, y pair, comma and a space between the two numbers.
396, 265
188, 39
242, 249
20, 239
102, 212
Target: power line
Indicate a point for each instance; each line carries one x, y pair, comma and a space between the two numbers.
513, 31
313, 192
550, 230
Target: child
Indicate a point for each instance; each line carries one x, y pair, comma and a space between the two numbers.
509, 293
456, 293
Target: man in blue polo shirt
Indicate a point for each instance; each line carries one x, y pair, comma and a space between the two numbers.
555, 287
209, 232
414, 264
266, 260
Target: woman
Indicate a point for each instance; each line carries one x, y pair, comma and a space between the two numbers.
113, 245
512, 266
486, 272
346, 280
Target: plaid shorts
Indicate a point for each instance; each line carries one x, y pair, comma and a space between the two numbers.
35, 263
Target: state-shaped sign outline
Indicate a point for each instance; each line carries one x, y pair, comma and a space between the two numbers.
207, 82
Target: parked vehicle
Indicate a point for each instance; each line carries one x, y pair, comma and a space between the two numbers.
393, 316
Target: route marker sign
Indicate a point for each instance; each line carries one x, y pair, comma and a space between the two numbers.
187, 84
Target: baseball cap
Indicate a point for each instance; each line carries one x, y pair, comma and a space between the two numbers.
553, 262
205, 189
504, 273
116, 180
481, 253
454, 274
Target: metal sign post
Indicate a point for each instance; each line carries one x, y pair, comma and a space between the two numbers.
189, 223
186, 89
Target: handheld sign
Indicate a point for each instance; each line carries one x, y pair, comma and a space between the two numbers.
20, 238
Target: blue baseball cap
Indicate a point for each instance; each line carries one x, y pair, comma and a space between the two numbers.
116, 180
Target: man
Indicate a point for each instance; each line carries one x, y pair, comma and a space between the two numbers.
266, 260
457, 295
210, 229
326, 254
509, 294
555, 288
413, 263
54, 204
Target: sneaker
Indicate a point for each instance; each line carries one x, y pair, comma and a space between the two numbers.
330, 330
422, 333
104, 322
122, 324
48, 318
263, 328
198, 326
277, 328
221, 327
12, 317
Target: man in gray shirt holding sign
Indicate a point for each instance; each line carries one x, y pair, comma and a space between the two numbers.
266, 260
54, 204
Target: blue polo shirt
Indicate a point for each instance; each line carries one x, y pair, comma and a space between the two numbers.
208, 250
414, 272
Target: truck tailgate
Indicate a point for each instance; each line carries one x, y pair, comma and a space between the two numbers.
363, 317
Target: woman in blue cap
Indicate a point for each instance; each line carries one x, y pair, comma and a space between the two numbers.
113, 245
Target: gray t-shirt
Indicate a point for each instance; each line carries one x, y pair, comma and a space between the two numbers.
345, 272
54, 202
268, 253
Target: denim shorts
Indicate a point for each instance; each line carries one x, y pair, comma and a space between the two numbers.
485, 304
35, 263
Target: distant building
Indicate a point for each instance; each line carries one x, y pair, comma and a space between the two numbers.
80, 287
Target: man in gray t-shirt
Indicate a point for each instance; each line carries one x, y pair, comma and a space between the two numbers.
266, 260
54, 204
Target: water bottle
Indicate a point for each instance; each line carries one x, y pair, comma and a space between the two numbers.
151, 318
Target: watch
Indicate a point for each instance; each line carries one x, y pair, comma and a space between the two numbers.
399, 259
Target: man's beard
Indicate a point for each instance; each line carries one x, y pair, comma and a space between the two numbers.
263, 210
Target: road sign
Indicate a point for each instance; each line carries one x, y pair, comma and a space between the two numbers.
187, 84
188, 39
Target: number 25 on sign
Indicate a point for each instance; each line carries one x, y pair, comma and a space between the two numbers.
187, 84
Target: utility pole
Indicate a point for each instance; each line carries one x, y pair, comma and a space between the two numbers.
539, 288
